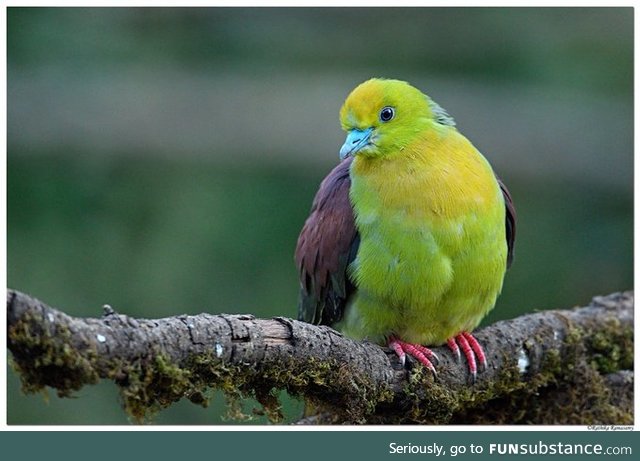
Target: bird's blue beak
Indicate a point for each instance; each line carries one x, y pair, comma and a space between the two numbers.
356, 140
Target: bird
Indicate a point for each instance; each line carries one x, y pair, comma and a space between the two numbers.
410, 235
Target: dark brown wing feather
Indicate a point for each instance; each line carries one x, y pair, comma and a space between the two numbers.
510, 223
327, 244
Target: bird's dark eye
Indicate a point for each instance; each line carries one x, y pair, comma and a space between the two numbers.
387, 113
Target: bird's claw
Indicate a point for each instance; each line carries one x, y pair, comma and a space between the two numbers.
463, 343
477, 349
451, 342
423, 354
472, 351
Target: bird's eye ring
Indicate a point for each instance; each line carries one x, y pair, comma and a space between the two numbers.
387, 113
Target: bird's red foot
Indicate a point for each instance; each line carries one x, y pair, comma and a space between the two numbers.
472, 350
424, 355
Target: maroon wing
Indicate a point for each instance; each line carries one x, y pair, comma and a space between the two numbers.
326, 246
510, 221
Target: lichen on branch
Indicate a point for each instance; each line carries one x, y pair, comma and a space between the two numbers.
569, 366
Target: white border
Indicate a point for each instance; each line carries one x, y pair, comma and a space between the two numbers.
241, 3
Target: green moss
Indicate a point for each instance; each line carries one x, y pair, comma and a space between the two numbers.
320, 380
505, 400
611, 348
572, 389
43, 357
564, 389
424, 393
148, 389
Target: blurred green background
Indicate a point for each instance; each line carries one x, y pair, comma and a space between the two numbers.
164, 160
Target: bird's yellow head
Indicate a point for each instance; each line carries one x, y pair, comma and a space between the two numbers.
383, 116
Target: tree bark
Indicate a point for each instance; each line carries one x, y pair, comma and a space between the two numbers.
551, 367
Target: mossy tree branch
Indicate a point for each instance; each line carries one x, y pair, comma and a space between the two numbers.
569, 366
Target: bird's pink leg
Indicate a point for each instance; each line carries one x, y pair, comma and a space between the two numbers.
423, 354
451, 342
477, 349
468, 353
471, 349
